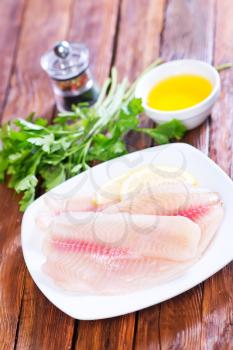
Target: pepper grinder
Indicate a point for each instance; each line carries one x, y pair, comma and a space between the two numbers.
67, 64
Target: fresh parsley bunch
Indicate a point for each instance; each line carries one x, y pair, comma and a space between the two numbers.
35, 153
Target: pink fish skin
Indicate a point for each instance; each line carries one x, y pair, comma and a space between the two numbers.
82, 246
195, 213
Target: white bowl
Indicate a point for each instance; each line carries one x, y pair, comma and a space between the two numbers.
193, 116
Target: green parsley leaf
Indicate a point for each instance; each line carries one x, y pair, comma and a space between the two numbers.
27, 199
45, 141
27, 183
26, 125
3, 166
172, 130
35, 154
53, 176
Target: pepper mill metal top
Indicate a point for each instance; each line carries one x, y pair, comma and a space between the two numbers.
66, 60
62, 49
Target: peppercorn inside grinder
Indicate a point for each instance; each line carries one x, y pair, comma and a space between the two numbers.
67, 64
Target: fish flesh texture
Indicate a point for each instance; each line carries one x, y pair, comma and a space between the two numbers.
170, 237
168, 199
199, 205
118, 248
104, 274
116, 252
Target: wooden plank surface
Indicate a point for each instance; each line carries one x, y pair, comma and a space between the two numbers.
114, 333
217, 313
129, 34
41, 324
131, 59
30, 90
11, 17
95, 24
11, 291
189, 33
12, 268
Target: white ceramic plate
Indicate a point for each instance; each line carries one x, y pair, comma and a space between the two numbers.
90, 307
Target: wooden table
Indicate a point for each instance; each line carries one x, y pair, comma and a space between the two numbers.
128, 34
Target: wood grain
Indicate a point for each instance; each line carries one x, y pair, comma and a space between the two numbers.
189, 33
12, 268
185, 35
147, 331
217, 313
137, 46
114, 333
94, 23
139, 36
42, 325
180, 321
11, 274
29, 90
11, 17
45, 22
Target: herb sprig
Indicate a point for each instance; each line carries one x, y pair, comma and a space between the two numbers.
34, 152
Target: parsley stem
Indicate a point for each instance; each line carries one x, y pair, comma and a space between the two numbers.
223, 66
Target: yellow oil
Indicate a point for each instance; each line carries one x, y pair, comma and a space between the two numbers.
179, 92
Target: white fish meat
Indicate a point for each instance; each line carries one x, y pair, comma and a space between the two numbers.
148, 238
107, 253
199, 205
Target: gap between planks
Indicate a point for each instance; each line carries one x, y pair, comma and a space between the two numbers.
14, 55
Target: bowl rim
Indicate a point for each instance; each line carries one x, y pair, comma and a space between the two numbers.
201, 106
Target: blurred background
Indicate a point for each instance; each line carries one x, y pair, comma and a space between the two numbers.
126, 33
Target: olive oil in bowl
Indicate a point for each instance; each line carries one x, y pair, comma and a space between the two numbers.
181, 89
179, 92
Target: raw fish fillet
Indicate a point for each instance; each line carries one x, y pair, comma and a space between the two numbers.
201, 206
77, 203
109, 253
97, 274
55, 207
150, 237
168, 199
209, 224
170, 237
